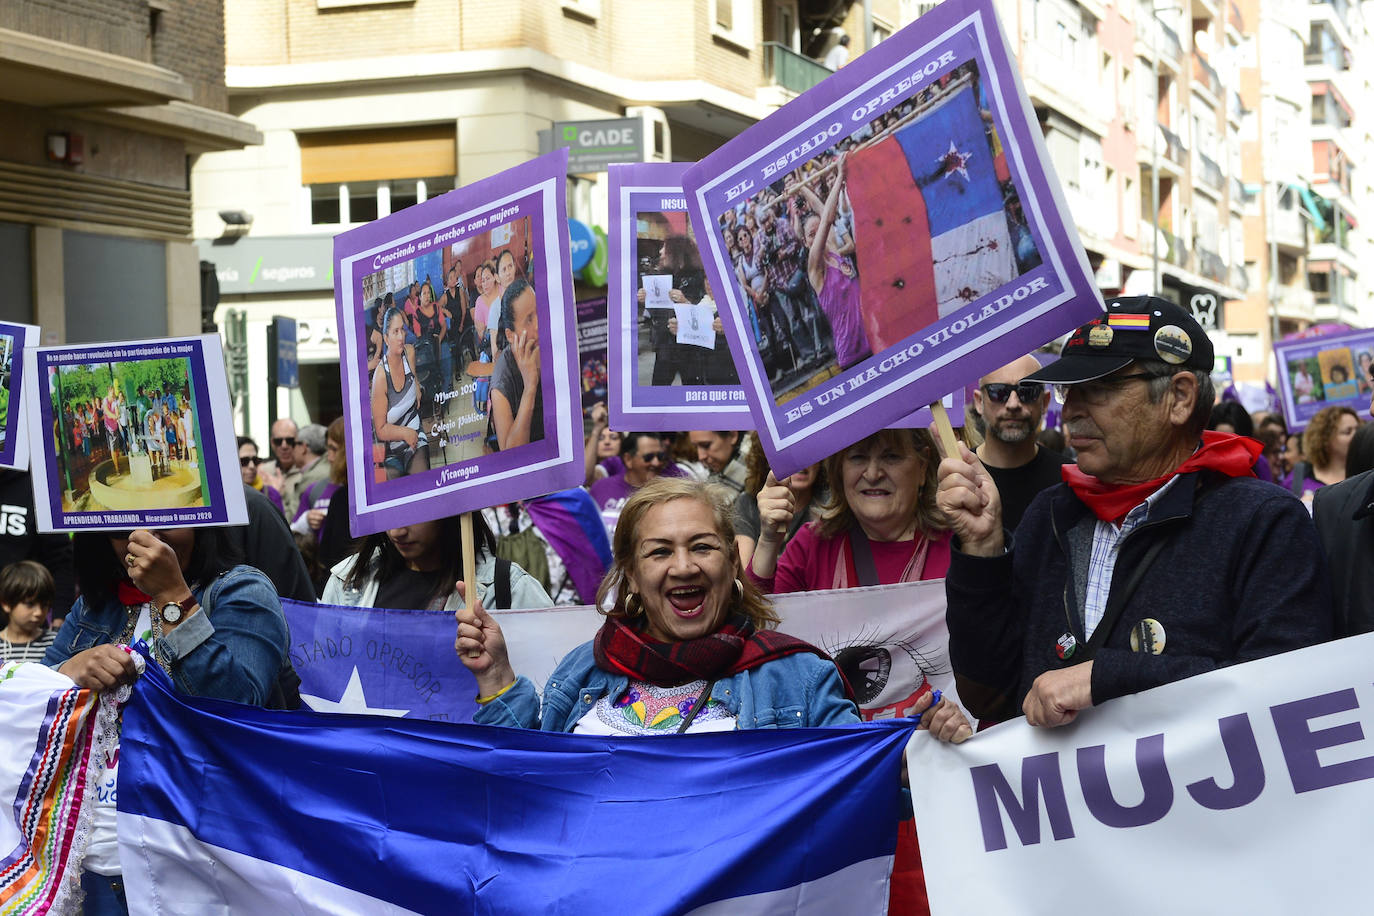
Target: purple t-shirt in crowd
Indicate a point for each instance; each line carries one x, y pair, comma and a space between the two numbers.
610, 494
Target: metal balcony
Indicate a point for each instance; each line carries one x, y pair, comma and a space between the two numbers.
792, 71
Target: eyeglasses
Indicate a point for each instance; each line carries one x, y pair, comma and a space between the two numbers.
247, 460
654, 458
1099, 390
284, 440
1026, 392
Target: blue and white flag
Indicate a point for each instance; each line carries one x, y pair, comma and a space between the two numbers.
227, 808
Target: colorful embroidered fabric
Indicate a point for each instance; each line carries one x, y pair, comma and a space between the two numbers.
645, 709
61, 731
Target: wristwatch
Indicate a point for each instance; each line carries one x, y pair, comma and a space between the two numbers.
173, 611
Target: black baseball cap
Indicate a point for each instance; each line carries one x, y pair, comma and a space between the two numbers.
1132, 328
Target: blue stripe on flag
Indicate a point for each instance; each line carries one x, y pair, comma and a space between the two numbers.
951, 162
443, 818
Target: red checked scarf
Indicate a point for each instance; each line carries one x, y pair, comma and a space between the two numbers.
1224, 453
737, 646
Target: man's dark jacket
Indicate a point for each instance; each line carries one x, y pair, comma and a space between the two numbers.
1240, 576
1344, 514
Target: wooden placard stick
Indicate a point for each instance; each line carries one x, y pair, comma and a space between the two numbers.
470, 565
944, 431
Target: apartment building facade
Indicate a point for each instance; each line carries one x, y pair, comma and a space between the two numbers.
366, 108
103, 104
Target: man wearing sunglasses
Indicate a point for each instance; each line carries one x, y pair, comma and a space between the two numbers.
1012, 410
1161, 556
280, 471
644, 459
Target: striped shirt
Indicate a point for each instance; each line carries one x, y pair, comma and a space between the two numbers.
1107, 538
27, 651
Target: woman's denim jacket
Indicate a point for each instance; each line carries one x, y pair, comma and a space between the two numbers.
231, 649
796, 691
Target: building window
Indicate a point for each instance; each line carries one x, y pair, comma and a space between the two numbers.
364, 201
357, 176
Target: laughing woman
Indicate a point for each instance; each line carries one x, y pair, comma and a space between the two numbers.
687, 644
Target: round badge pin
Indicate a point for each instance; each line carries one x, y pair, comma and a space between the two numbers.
1065, 645
1173, 344
1148, 636
1100, 336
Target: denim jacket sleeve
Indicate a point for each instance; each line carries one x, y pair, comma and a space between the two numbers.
233, 648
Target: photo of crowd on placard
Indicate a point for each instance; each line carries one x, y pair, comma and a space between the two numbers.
897, 225
681, 339
127, 436
453, 353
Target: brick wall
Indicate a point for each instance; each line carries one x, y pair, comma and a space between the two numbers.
113, 26
189, 39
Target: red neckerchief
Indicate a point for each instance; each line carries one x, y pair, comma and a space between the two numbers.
1224, 453
736, 646
129, 595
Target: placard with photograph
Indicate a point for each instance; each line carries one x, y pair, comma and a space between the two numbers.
14, 445
591, 349
1333, 370
459, 362
133, 434
666, 375
937, 242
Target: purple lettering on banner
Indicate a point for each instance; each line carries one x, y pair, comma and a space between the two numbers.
1238, 738
1154, 778
1300, 743
1039, 775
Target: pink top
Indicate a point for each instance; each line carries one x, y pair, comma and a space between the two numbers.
480, 310
808, 562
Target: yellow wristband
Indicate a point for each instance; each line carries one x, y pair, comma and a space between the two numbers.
482, 701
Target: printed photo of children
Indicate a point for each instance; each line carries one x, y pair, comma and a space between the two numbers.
126, 436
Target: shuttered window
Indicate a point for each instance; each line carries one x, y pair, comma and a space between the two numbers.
336, 157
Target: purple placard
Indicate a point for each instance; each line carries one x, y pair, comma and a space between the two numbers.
658, 383
1328, 371
135, 434
954, 253
591, 349
430, 432
14, 340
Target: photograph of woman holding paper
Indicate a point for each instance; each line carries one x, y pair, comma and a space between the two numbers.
672, 280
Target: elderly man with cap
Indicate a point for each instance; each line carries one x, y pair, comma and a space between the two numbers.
1161, 556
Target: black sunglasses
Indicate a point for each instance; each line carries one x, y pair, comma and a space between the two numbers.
246, 460
1027, 392
660, 457
284, 440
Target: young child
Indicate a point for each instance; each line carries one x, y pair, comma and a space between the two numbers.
26, 593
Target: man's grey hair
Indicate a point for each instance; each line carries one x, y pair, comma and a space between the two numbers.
313, 438
1206, 391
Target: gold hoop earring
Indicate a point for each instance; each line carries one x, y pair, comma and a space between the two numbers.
633, 606
739, 592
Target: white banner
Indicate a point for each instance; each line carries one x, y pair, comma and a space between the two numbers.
1245, 790
890, 640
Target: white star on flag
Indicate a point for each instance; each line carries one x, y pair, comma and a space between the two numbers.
956, 161
352, 701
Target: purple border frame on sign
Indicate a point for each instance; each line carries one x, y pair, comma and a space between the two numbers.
646, 407
1299, 415
227, 505
1037, 306
537, 189
25, 336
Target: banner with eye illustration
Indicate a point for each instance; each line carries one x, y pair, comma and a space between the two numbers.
935, 240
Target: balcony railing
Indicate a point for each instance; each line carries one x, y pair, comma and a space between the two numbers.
1211, 266
1209, 172
1289, 228
1174, 149
1176, 253
1205, 74
1169, 44
1239, 278
1239, 194
792, 71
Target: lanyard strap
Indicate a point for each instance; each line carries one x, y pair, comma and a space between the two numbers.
701, 702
